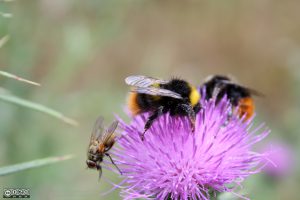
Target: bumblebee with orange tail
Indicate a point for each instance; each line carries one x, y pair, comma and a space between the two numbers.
240, 97
176, 96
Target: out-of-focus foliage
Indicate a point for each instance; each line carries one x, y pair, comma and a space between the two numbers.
80, 52
9, 75
31, 164
3, 40
6, 97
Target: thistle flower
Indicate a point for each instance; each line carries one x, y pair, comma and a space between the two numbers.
175, 163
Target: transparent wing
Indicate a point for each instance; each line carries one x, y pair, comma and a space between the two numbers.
250, 90
143, 81
109, 132
97, 129
157, 92
218, 78
255, 92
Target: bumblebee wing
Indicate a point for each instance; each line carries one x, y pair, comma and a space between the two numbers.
143, 84
156, 92
218, 78
143, 81
109, 132
255, 92
233, 81
97, 129
250, 90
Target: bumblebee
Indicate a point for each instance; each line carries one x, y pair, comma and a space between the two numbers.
101, 142
239, 96
176, 96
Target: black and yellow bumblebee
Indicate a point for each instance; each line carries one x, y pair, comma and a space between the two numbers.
239, 96
176, 96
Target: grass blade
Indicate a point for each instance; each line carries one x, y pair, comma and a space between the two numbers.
35, 106
6, 15
32, 164
9, 75
4, 40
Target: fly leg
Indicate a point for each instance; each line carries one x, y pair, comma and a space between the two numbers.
112, 161
99, 168
151, 119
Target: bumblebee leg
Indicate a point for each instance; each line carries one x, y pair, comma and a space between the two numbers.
188, 109
112, 161
197, 108
151, 119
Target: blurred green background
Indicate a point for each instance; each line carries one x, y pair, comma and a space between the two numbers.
81, 51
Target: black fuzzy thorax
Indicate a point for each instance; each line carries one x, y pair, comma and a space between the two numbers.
171, 104
234, 92
179, 86
150, 103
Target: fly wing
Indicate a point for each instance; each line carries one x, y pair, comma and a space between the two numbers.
143, 81
97, 129
157, 92
109, 132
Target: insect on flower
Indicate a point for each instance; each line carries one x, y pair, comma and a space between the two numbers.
240, 96
174, 164
100, 143
176, 96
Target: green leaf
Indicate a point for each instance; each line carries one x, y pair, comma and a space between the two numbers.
35, 106
9, 75
32, 164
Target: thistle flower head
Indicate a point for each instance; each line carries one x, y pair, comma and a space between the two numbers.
174, 163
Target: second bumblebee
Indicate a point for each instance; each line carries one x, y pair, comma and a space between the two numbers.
240, 96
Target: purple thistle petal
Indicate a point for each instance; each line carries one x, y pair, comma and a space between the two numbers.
172, 162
